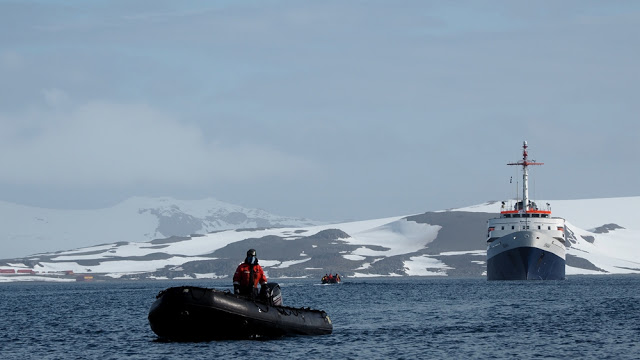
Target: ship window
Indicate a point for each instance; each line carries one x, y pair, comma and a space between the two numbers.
527, 227
536, 215
516, 215
538, 227
525, 215
507, 215
502, 228
512, 227
548, 227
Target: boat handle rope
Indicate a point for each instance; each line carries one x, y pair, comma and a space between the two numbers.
283, 311
189, 290
258, 306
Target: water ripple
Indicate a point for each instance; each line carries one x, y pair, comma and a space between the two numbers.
582, 317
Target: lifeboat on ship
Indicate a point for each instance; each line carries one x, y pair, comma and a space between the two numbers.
189, 313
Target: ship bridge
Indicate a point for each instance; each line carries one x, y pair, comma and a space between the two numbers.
531, 210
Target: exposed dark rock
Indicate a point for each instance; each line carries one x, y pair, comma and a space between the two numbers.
155, 247
329, 234
570, 237
385, 266
148, 257
219, 267
169, 240
265, 223
454, 236
175, 222
581, 263
628, 268
588, 238
235, 218
275, 247
606, 228
258, 228
464, 265
116, 244
95, 252
91, 262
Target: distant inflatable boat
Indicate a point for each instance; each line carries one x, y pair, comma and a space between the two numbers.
190, 313
331, 279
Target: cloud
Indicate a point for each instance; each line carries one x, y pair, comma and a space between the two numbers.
55, 97
100, 143
232, 100
10, 61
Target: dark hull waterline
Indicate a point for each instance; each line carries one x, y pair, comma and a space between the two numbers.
201, 314
526, 263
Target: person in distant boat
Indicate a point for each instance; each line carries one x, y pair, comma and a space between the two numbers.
248, 275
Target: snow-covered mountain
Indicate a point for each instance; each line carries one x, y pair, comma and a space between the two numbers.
29, 230
604, 238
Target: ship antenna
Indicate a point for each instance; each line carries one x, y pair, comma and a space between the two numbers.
525, 175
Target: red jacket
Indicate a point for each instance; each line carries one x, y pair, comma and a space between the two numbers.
243, 273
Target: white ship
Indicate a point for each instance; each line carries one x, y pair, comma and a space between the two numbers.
525, 242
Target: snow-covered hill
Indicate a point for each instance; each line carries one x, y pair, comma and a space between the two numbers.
29, 230
603, 238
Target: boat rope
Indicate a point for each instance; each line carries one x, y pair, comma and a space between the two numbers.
288, 311
261, 309
283, 311
195, 291
161, 293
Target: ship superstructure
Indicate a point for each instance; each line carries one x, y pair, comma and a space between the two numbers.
525, 242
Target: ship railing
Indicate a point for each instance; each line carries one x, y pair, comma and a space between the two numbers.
515, 207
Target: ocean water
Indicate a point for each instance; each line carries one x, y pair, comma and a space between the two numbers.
583, 317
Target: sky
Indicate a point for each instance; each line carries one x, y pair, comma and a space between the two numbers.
329, 110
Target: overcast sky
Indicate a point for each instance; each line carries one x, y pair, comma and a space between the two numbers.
330, 110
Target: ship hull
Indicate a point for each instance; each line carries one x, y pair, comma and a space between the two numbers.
526, 255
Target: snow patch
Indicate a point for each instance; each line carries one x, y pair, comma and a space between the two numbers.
424, 266
286, 264
399, 237
362, 275
354, 257
471, 252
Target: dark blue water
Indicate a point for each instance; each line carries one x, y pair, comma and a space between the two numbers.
586, 317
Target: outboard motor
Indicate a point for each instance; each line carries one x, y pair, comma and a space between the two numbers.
272, 294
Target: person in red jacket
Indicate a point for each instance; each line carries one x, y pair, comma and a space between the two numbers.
248, 275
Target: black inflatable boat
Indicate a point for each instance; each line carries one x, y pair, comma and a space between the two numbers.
190, 313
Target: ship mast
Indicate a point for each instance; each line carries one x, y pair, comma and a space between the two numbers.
525, 175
